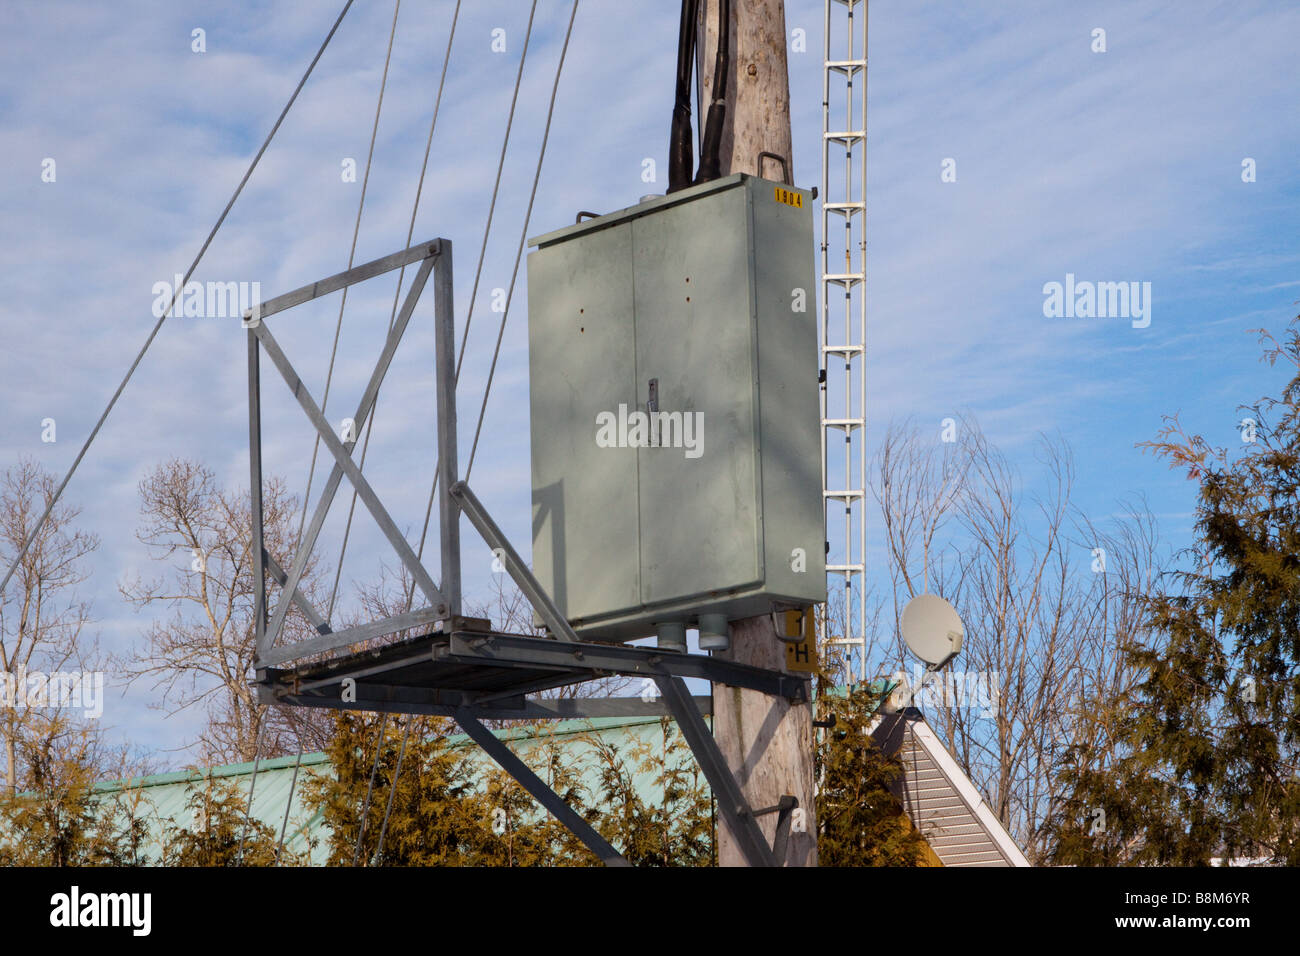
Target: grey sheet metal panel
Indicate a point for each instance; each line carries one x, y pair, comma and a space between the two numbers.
790, 413
695, 337
652, 206
581, 362
627, 537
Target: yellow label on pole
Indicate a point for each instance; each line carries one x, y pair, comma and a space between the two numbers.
789, 197
793, 624
801, 656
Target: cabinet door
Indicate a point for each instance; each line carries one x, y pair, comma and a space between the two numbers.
582, 366
699, 530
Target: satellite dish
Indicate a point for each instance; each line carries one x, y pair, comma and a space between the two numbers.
932, 629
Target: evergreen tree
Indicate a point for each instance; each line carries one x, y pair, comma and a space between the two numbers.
435, 818
860, 822
221, 833
57, 819
452, 808
522, 833
672, 823
1201, 761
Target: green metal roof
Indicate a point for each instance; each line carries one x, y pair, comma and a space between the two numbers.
165, 796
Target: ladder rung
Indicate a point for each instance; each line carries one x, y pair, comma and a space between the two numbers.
843, 422
844, 349
843, 493
844, 277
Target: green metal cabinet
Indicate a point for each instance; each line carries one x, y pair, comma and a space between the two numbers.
688, 305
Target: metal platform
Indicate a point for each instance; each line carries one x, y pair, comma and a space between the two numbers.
490, 674
463, 670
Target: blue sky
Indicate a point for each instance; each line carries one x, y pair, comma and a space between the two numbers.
1115, 166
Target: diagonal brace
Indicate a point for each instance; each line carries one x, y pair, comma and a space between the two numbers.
341, 280
532, 588
308, 609
534, 784
783, 810
353, 635
731, 802
344, 460
364, 407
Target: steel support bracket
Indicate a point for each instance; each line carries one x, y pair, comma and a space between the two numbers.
563, 656
731, 801
784, 809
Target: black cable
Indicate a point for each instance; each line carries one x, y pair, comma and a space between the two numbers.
681, 157
711, 150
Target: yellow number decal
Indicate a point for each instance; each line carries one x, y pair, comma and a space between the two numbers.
789, 197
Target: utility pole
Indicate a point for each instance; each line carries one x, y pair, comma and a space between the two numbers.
766, 741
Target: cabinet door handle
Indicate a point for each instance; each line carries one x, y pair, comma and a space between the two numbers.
651, 407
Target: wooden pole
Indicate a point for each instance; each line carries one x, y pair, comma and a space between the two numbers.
758, 84
767, 742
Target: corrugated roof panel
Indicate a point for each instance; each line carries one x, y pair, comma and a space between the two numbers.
166, 796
